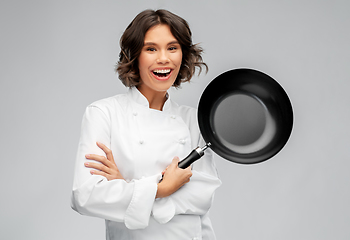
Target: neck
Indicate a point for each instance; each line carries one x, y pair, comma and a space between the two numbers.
155, 99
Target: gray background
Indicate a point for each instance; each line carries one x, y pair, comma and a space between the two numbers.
58, 56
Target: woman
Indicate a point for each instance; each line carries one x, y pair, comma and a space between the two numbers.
129, 141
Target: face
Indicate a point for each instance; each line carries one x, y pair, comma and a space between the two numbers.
160, 60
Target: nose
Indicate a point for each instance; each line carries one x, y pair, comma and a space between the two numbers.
163, 57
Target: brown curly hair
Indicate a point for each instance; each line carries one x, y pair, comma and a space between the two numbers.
132, 41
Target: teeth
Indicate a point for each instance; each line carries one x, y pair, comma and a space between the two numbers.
162, 71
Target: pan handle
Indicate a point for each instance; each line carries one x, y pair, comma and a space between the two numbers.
196, 154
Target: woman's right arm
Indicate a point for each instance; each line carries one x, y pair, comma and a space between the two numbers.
93, 195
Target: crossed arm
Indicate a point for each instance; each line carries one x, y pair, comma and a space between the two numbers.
173, 176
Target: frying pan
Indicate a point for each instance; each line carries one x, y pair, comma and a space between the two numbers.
244, 116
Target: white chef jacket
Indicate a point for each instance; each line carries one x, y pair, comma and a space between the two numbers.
143, 142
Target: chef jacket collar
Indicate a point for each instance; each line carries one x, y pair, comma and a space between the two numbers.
139, 98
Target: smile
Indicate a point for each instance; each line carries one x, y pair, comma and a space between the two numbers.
162, 74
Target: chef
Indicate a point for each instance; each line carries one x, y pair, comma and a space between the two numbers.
129, 142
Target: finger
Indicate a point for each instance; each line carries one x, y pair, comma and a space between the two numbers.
189, 171
107, 151
97, 166
95, 172
165, 170
189, 168
172, 165
175, 161
98, 158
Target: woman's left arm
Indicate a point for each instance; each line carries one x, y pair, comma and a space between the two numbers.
195, 197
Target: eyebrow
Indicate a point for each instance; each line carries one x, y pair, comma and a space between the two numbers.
152, 43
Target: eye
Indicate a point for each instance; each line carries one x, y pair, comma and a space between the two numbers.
173, 48
150, 49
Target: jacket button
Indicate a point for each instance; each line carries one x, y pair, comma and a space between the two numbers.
134, 113
173, 116
182, 141
141, 141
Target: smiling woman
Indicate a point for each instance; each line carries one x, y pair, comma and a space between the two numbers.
131, 141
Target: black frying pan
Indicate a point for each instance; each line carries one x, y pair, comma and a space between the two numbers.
244, 116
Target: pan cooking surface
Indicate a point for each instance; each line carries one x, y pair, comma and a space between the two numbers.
246, 116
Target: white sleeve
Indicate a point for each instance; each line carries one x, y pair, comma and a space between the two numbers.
94, 195
195, 197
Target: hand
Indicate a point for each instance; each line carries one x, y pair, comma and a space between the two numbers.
106, 167
173, 178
